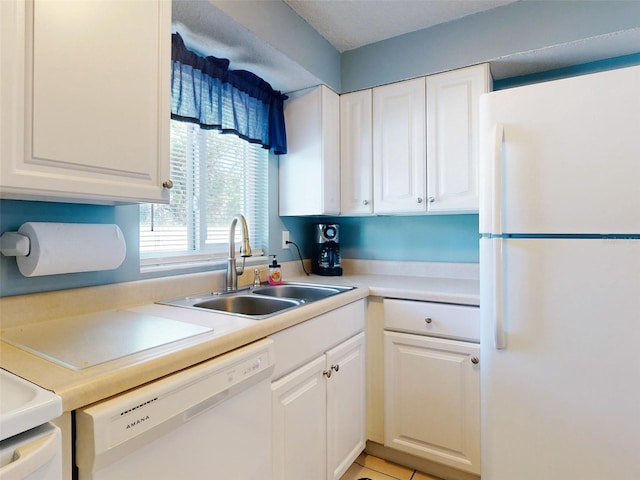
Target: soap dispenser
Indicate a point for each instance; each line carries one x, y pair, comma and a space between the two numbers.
275, 272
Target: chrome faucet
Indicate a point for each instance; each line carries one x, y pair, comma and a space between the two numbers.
245, 251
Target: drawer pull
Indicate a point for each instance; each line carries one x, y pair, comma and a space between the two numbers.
428, 320
475, 360
335, 367
327, 373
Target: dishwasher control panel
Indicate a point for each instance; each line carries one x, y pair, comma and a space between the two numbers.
176, 399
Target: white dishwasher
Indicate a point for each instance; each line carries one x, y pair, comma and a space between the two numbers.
211, 421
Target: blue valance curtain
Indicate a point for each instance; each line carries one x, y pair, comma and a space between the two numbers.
206, 92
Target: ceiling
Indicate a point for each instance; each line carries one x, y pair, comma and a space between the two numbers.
349, 24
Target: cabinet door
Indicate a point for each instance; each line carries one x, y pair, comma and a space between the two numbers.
309, 174
356, 194
432, 399
399, 152
452, 138
299, 424
346, 415
85, 110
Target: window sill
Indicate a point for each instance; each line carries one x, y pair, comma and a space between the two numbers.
155, 265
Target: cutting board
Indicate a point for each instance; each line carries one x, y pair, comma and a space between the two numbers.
87, 340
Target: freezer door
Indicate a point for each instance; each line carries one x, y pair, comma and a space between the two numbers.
562, 157
561, 400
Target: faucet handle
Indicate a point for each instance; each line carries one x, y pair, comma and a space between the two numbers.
256, 277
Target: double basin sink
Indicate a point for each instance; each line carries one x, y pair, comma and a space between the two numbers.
259, 302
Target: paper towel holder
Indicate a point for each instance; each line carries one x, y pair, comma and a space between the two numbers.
14, 244
50, 248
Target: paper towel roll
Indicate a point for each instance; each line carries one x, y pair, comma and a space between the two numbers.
71, 247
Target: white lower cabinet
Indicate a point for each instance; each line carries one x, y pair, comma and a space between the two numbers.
432, 386
346, 419
319, 414
299, 420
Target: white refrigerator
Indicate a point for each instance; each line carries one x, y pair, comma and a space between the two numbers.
560, 279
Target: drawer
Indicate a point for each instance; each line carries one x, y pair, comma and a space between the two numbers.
433, 319
301, 343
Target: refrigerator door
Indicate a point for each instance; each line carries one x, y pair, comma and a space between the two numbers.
561, 400
562, 157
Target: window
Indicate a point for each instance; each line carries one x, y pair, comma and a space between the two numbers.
215, 176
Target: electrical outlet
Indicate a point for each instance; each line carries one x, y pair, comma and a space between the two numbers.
285, 239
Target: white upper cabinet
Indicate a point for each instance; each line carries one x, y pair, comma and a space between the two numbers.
409, 147
356, 162
85, 100
452, 138
309, 174
399, 151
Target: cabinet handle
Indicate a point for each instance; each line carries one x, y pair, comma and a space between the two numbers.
332, 368
168, 184
428, 320
365, 202
475, 360
420, 200
432, 199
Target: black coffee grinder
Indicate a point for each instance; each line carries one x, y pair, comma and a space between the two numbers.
326, 255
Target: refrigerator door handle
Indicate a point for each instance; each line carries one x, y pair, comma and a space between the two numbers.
498, 294
498, 153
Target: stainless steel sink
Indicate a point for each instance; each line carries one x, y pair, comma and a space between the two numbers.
308, 293
243, 303
248, 304
261, 302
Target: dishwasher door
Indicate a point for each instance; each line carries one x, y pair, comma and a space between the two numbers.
212, 421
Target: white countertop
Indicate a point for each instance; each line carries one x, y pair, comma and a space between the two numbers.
82, 387
428, 289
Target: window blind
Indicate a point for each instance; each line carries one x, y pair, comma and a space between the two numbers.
215, 176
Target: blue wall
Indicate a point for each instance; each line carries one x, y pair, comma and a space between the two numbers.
279, 26
435, 238
15, 213
585, 68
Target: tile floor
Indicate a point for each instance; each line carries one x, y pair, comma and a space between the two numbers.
369, 467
